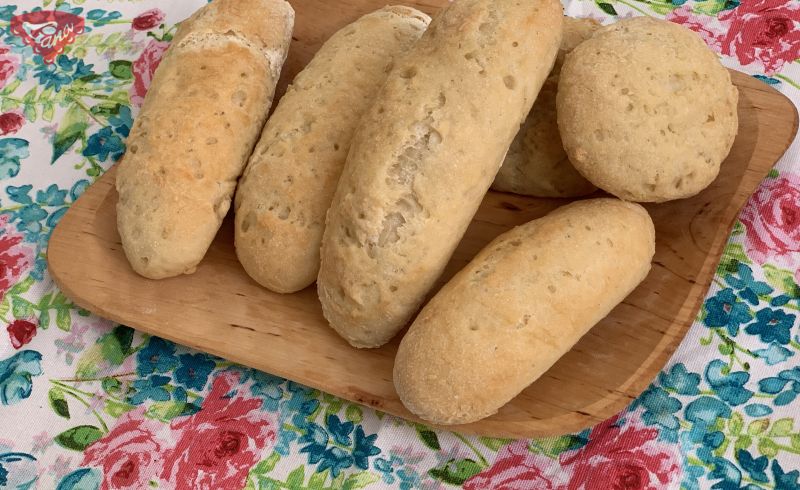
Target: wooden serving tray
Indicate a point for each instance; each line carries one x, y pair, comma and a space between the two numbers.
220, 310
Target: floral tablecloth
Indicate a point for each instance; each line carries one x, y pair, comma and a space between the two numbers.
87, 404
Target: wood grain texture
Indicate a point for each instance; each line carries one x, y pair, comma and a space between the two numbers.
220, 310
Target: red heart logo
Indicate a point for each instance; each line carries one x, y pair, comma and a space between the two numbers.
47, 31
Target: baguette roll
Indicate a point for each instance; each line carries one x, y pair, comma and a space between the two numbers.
198, 124
290, 179
423, 157
520, 305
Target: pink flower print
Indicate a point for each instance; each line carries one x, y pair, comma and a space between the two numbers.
763, 32
707, 27
130, 454
216, 446
16, 257
9, 64
626, 457
516, 468
144, 67
772, 222
41, 442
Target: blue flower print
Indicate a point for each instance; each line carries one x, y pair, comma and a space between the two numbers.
16, 375
17, 470
772, 325
268, 388
774, 386
82, 478
157, 357
774, 354
703, 412
339, 430
784, 480
364, 448
12, 151
151, 388
753, 466
316, 440
725, 310
730, 386
386, 467
122, 122
52, 76
103, 144
749, 289
336, 459
52, 196
660, 408
730, 475
100, 17
757, 410
7, 11
680, 380
409, 479
194, 370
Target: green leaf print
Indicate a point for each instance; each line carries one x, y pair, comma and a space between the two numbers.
44, 319
494, 443
735, 424
782, 280
354, 414
710, 7
121, 69
116, 345
29, 96
456, 472
296, 477
106, 109
782, 427
743, 442
428, 437
756, 427
11, 87
78, 438
63, 319
58, 402
767, 447
607, 8
71, 128
317, 480
21, 307
360, 480
731, 258
165, 411
116, 409
9, 104
29, 111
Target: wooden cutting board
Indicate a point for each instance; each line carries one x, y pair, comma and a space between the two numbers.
220, 310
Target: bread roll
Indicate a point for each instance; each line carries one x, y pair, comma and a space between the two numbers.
518, 306
290, 179
206, 105
646, 111
536, 164
423, 157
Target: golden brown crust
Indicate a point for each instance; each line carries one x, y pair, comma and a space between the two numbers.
291, 176
424, 156
646, 111
518, 306
188, 145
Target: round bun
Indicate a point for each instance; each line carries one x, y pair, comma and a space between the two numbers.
646, 111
